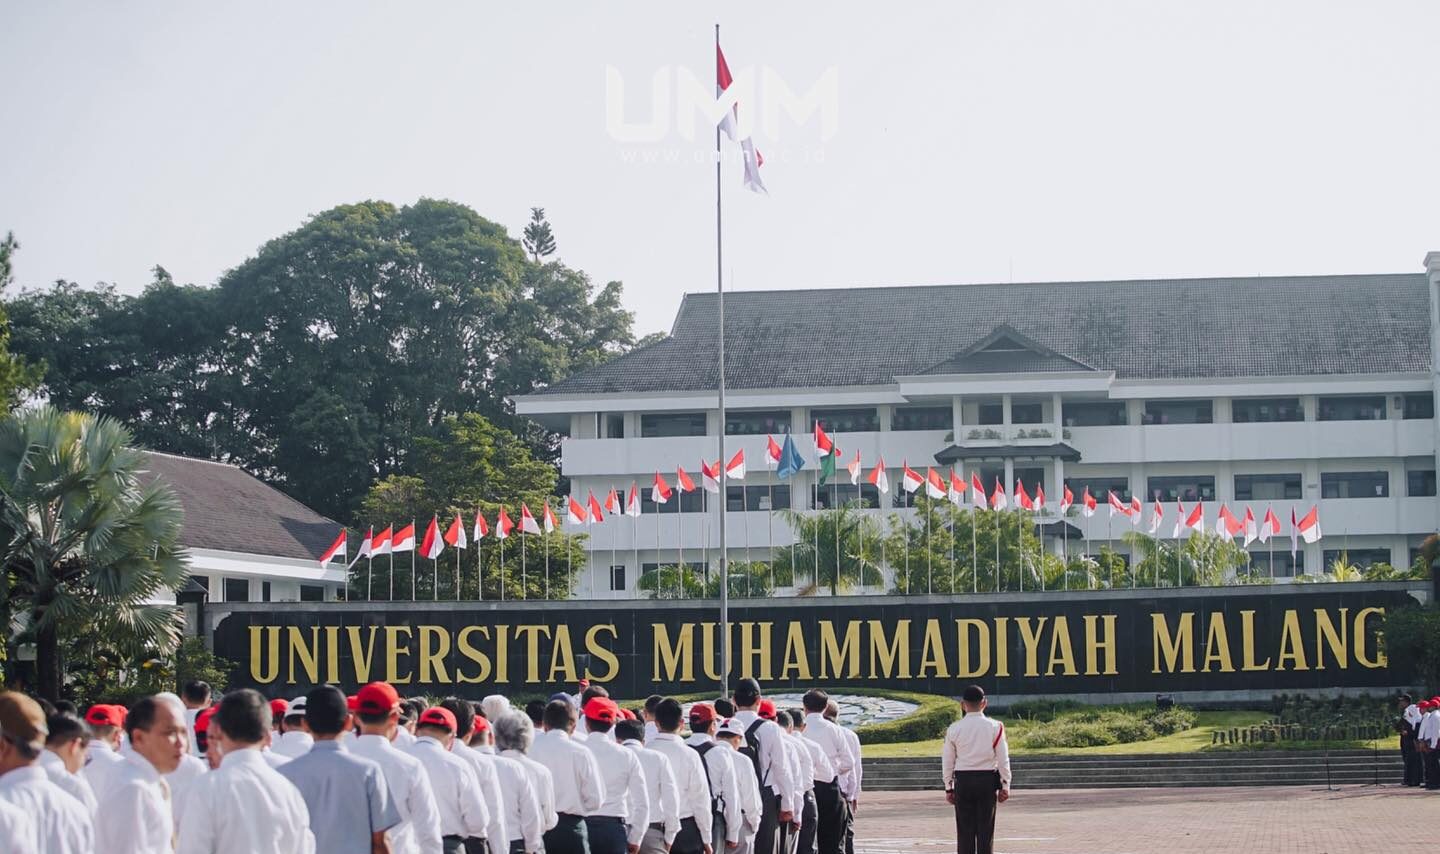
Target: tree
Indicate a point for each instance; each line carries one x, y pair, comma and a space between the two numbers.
16, 375
1411, 638
539, 241
834, 551
88, 542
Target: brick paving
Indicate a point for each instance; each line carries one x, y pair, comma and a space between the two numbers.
1358, 819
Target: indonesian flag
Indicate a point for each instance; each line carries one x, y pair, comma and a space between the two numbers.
1116, 505
1309, 526
528, 525
381, 544
661, 491
878, 477
1022, 498
1252, 531
753, 160
1136, 511
548, 520
1067, 500
482, 528
632, 504
1226, 525
956, 491
1179, 519
1269, 526
574, 512
612, 502
683, 481
1040, 497
432, 545
910, 480
503, 525
998, 499
1196, 520
934, 484
977, 493
595, 513
854, 469
404, 539
1157, 515
1088, 504
772, 452
455, 534
367, 545
710, 476
336, 549
735, 469
1294, 533
823, 445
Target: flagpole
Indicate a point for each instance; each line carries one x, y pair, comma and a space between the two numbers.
502, 562
745, 511
392, 570
720, 359
974, 550
435, 577
524, 574
545, 541
952, 544
614, 549
929, 553
997, 550
412, 563
480, 569
635, 541
1064, 545
835, 505
770, 520
369, 578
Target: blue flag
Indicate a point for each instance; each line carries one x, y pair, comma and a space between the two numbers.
790, 459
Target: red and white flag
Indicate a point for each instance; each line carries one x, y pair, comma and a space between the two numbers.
1269, 525
432, 545
1226, 525
934, 484
482, 528
336, 549
752, 159
735, 469
1294, 533
1067, 500
1116, 505
1136, 511
381, 544
1196, 520
1252, 531
661, 491
1022, 498
854, 469
998, 499
596, 515
404, 539
612, 502
910, 480
710, 476
772, 452
956, 490
1179, 519
547, 519
978, 499
1040, 497
823, 445
503, 525
528, 525
455, 534
1157, 515
683, 481
575, 512
1309, 526
1088, 504
632, 503
367, 545
879, 479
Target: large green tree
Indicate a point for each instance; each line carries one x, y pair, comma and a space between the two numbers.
17, 376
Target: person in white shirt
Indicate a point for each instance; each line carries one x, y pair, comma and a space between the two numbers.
976, 767
661, 793
626, 802
64, 757
726, 819
295, 738
244, 805
648, 714
56, 821
514, 736
377, 706
806, 756
696, 818
1410, 757
457, 791
484, 767
495, 707
1429, 733
135, 811
850, 784
579, 789
102, 752
482, 738
732, 735
832, 808
195, 694
17, 829
780, 792
191, 767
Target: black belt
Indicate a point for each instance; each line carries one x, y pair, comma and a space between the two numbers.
615, 818
569, 819
657, 826
832, 784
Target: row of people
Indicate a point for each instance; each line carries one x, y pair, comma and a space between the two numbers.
1419, 726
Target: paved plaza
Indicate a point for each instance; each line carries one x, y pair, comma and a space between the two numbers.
1351, 820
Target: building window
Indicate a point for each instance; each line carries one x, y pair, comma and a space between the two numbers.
1026, 413
923, 418
1262, 487
202, 580
617, 577
1265, 410
680, 502
1355, 484
237, 590
1179, 412
1187, 487
1101, 413
1420, 405
846, 420
658, 424
1420, 483
991, 414
1352, 408
1286, 565
757, 497
614, 426
757, 422
264, 591
312, 593
833, 495
1100, 487
1362, 558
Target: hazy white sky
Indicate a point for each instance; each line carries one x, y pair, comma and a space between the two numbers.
974, 141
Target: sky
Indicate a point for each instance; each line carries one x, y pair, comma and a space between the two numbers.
962, 142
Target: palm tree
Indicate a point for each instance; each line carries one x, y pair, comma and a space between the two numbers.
848, 544
87, 543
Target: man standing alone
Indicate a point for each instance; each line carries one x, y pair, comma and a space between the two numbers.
976, 768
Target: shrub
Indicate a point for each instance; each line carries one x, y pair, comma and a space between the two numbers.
1091, 727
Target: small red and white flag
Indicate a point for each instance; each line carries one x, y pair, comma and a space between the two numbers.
1269, 525
879, 479
978, 499
1252, 530
1294, 532
1196, 520
735, 469
381, 544
750, 154
1226, 525
547, 519
367, 545
404, 539
632, 503
823, 445
934, 484
612, 502
1179, 519
1116, 505
432, 545
336, 549
1309, 526
910, 480
1022, 498
575, 512
998, 499
1088, 504
1157, 515
683, 481
504, 526
956, 490
854, 469
1067, 500
596, 514
455, 534
1136, 511
661, 491
772, 452
528, 525
482, 528
1040, 497
710, 477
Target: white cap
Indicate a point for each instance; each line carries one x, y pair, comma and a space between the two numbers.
731, 727
295, 707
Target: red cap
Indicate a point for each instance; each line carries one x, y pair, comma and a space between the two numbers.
626, 714
482, 723
103, 715
603, 710
377, 698
438, 716
277, 709
702, 713
767, 709
351, 702
202, 720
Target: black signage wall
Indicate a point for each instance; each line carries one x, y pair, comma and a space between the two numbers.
1252, 639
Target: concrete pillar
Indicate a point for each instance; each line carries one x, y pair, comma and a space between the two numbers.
1056, 421
883, 415
957, 416
1005, 432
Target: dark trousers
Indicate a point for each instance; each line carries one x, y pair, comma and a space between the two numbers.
474, 845
1414, 765
831, 813
517, 846
767, 836
452, 844
607, 835
687, 841
975, 811
568, 836
1432, 769
806, 843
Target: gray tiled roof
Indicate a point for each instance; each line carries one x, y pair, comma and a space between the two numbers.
229, 510
1157, 329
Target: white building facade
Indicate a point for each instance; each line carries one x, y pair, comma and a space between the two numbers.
1266, 393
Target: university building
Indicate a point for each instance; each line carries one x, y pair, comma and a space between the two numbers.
1262, 392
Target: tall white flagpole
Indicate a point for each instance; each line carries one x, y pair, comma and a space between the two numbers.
720, 360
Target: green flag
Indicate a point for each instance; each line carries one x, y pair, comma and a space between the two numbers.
827, 466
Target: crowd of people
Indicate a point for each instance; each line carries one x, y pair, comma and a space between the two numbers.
1419, 726
375, 772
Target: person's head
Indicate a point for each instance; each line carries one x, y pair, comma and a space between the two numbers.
482, 734
514, 731
591, 692
559, 715
410, 710
295, 716
668, 715
747, 694
703, 719
278, 707
207, 731
766, 709
195, 693
652, 703
972, 699
724, 708
437, 722
105, 723
22, 731
815, 700
243, 719
157, 731
535, 711
797, 717
601, 713
832, 711
464, 717
65, 707
732, 732
67, 739
377, 707
327, 714
1404, 701
782, 717
630, 729
495, 706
